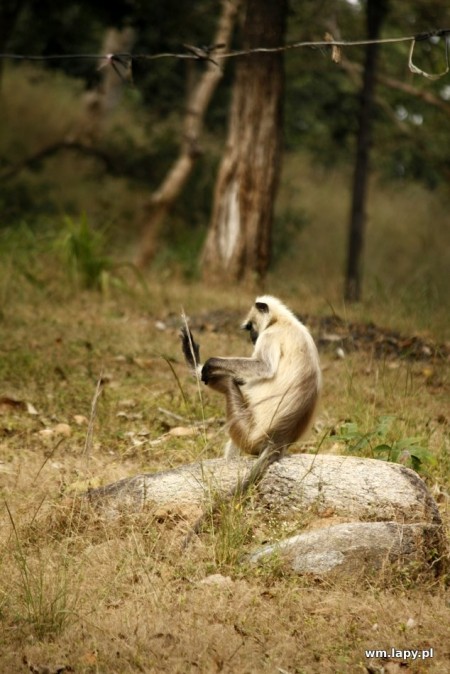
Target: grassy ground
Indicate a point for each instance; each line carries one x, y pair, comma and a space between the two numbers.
89, 595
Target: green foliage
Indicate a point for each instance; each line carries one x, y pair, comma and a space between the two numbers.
140, 139
83, 249
380, 443
322, 99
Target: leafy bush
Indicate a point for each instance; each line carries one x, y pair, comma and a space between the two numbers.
84, 251
378, 444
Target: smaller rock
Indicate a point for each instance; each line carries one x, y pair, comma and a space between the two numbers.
352, 546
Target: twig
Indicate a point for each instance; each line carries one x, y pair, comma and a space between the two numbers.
90, 429
47, 458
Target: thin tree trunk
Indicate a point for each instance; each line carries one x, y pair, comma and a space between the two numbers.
376, 11
238, 244
9, 14
99, 102
163, 198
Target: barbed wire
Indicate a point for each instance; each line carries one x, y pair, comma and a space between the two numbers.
212, 53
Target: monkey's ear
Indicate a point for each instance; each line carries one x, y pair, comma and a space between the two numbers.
262, 307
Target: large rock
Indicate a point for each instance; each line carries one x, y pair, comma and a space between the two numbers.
352, 487
385, 511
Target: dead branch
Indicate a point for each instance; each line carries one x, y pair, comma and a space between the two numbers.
423, 94
163, 198
33, 160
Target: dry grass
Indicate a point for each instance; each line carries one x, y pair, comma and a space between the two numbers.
117, 596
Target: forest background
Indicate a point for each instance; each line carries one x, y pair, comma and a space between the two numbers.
68, 157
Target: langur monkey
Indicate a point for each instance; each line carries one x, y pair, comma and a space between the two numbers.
271, 396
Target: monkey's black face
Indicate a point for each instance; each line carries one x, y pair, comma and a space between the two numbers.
253, 332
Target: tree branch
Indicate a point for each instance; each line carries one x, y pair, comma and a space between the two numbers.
54, 148
162, 199
392, 83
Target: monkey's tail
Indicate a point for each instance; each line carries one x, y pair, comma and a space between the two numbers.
191, 349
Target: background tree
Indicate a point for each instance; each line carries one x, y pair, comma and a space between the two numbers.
238, 244
375, 14
41, 177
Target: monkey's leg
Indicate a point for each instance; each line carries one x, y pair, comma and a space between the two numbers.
240, 418
231, 451
269, 455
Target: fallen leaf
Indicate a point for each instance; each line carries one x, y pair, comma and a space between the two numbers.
8, 403
80, 486
46, 433
63, 429
180, 431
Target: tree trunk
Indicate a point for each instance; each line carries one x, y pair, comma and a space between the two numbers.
376, 11
238, 244
163, 198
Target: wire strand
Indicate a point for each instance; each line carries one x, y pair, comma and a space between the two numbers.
205, 53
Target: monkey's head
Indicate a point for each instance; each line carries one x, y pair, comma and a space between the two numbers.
263, 313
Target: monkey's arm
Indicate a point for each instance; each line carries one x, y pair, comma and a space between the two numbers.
262, 365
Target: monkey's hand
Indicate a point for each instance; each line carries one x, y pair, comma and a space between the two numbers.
218, 368
210, 371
